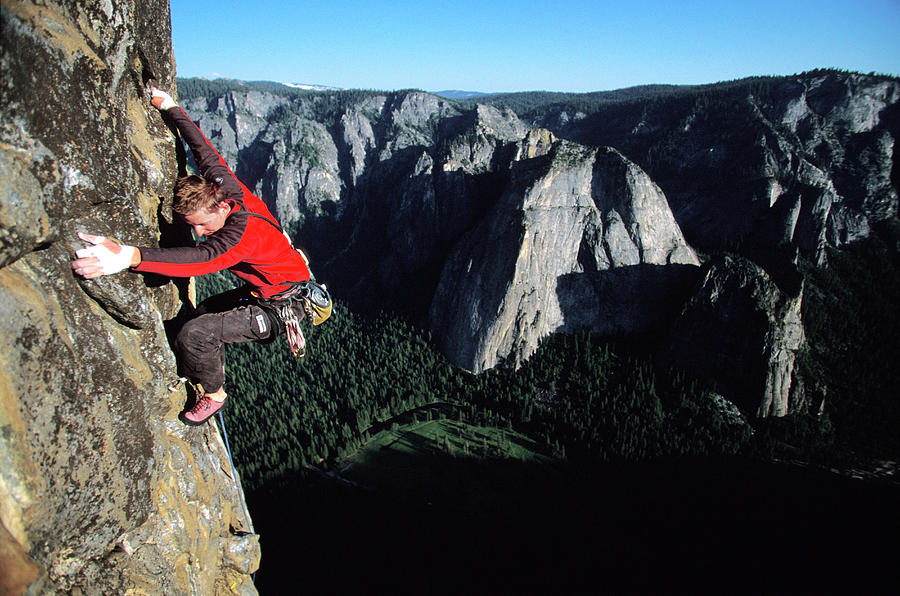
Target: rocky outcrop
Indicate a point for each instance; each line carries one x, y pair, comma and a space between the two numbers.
811, 156
492, 233
741, 333
301, 156
581, 239
102, 489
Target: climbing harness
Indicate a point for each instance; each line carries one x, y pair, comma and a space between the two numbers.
294, 334
310, 297
307, 297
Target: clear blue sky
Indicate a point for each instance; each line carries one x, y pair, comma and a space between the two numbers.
555, 45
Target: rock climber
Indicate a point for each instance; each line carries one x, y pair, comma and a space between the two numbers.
235, 231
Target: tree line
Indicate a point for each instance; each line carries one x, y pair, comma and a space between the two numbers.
582, 398
577, 396
532, 105
324, 106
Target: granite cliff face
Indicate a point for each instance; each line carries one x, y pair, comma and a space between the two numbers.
580, 239
737, 312
763, 170
102, 489
800, 161
494, 231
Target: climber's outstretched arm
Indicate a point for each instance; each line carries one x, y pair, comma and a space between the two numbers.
103, 257
212, 166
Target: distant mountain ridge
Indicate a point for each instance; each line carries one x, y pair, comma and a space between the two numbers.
454, 94
309, 87
543, 98
191, 86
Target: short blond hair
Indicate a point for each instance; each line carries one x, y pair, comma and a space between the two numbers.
193, 193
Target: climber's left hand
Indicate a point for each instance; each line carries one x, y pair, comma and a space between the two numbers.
103, 257
161, 100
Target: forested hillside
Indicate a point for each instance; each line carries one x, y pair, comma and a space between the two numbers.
582, 399
536, 105
660, 471
854, 338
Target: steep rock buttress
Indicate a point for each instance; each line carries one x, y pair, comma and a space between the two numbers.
102, 489
492, 233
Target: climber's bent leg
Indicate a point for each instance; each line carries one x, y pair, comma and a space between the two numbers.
201, 341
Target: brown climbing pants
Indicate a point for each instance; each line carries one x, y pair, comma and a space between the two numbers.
230, 317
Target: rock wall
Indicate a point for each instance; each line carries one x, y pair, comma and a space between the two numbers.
582, 239
807, 159
741, 332
102, 489
492, 233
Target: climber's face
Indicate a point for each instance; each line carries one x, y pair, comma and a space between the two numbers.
206, 221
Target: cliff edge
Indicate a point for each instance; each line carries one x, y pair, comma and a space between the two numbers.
102, 489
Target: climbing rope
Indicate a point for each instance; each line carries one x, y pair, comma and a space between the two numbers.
234, 475
240, 492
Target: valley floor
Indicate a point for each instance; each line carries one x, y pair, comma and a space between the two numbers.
436, 522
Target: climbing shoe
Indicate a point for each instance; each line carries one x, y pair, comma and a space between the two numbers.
204, 407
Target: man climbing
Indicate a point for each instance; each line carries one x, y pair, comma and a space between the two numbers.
236, 232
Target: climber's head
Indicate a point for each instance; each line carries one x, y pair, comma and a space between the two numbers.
206, 221
194, 193
199, 202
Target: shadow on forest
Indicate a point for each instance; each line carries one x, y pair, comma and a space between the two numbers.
680, 526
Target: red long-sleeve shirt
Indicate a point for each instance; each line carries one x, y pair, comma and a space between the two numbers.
251, 248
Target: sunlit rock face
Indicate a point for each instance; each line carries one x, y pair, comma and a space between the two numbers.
494, 231
102, 489
806, 160
581, 239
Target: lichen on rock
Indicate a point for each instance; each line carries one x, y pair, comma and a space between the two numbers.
102, 489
